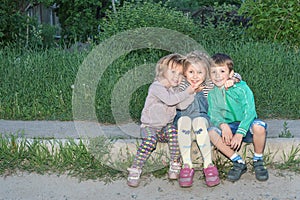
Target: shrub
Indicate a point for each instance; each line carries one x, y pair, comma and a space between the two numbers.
78, 19
192, 5
220, 22
146, 14
275, 21
13, 22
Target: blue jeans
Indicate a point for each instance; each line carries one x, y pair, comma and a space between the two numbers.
234, 126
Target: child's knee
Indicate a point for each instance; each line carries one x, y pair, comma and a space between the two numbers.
200, 122
184, 120
214, 134
258, 129
184, 125
149, 143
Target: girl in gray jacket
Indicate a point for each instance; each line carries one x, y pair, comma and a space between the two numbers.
158, 115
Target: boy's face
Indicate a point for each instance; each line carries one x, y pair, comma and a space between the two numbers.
195, 74
219, 74
173, 75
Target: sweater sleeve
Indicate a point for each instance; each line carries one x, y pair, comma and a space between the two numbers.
248, 106
168, 97
185, 103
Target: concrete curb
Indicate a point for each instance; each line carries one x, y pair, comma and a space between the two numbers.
276, 147
79, 129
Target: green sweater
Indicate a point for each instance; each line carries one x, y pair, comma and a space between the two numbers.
233, 105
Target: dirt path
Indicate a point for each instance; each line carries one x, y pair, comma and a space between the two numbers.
281, 185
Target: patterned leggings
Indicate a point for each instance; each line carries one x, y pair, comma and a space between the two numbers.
150, 137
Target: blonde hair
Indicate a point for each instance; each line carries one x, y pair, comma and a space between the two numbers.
170, 61
198, 58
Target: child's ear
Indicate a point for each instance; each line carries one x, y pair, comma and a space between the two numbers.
231, 74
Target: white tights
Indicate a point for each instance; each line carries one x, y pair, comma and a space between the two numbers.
190, 130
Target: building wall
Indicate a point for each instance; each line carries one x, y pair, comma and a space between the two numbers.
44, 15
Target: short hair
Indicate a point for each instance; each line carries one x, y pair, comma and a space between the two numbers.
197, 58
223, 59
170, 61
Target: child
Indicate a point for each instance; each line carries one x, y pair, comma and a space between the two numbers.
233, 112
193, 122
158, 114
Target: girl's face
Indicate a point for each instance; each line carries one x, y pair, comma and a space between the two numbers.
195, 74
219, 74
173, 75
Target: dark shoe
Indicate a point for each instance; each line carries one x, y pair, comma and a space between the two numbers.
261, 172
236, 171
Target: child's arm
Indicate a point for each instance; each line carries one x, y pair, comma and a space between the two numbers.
248, 106
169, 97
185, 103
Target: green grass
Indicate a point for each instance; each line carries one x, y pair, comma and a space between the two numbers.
52, 156
286, 133
94, 161
37, 84
291, 160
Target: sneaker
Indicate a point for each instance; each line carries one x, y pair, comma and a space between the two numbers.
133, 179
174, 170
211, 176
236, 171
186, 176
261, 172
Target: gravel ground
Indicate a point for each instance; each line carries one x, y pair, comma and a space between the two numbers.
281, 185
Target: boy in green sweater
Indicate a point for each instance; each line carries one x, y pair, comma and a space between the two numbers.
232, 113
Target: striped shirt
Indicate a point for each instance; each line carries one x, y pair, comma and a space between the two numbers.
208, 84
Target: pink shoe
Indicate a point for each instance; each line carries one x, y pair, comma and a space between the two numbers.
133, 179
186, 176
174, 170
211, 176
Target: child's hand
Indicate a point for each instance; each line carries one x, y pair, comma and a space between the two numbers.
200, 88
226, 134
229, 83
190, 90
236, 141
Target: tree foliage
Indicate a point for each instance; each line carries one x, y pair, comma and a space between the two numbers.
13, 21
79, 19
146, 14
275, 21
193, 5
